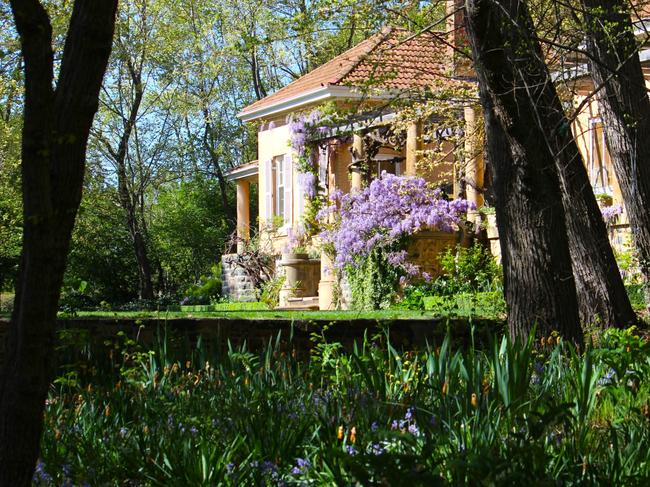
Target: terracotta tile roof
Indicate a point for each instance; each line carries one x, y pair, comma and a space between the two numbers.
394, 59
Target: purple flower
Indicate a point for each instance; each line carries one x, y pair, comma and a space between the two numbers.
351, 450
123, 432
409, 414
374, 426
377, 449
378, 216
194, 430
40, 474
394, 425
302, 465
611, 213
414, 430
307, 181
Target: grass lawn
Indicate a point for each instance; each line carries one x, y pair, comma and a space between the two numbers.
382, 315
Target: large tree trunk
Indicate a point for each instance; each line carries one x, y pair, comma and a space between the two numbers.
534, 120
625, 110
537, 265
55, 133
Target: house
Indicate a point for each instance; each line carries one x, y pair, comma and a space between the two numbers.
376, 79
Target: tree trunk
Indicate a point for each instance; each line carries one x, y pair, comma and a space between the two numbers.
539, 282
126, 198
625, 110
55, 133
601, 294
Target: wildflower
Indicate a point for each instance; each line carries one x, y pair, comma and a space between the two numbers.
230, 467
353, 435
414, 430
107, 411
394, 425
40, 474
194, 430
474, 400
339, 433
374, 426
123, 432
57, 434
409, 414
377, 449
445, 388
302, 465
351, 450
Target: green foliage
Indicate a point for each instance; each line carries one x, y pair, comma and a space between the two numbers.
468, 269
472, 274
188, 230
207, 290
373, 281
101, 250
490, 304
270, 291
512, 414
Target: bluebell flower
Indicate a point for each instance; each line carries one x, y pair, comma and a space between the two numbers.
40, 474
377, 449
374, 426
409, 414
351, 450
123, 431
194, 430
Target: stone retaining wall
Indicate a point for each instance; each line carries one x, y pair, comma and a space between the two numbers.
218, 333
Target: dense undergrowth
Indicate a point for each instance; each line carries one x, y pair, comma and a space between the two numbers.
541, 413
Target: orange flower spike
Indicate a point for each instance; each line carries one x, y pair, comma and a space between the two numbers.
107, 411
339, 433
353, 435
445, 388
474, 400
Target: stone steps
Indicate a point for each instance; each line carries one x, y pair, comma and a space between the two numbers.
301, 304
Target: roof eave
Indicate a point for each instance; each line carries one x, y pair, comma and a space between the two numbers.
308, 98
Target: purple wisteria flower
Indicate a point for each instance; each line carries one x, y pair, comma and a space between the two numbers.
611, 213
308, 183
390, 208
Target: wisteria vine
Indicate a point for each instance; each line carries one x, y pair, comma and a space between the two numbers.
389, 209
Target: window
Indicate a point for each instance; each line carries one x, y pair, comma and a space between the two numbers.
600, 165
278, 201
279, 185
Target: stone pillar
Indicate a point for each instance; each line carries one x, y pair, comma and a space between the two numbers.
474, 168
413, 146
358, 154
243, 213
326, 284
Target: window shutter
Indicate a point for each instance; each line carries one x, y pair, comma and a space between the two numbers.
288, 183
268, 191
323, 157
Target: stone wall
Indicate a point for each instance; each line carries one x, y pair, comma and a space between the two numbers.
236, 285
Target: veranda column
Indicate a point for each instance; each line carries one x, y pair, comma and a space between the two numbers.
243, 213
474, 168
413, 146
326, 284
358, 155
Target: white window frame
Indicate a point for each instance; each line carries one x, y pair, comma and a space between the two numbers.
278, 186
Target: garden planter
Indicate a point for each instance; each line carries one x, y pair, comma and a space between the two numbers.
301, 276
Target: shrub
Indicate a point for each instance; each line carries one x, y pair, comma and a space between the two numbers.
206, 291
